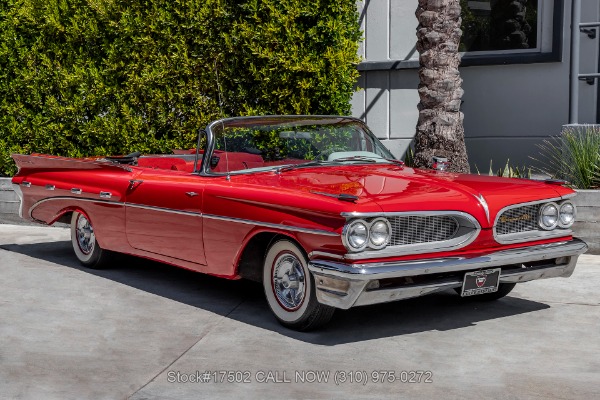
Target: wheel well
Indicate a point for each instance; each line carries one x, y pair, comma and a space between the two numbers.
251, 262
65, 218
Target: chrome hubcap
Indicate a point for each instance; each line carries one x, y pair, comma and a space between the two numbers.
85, 235
289, 281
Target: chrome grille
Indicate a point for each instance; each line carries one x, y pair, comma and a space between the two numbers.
519, 219
412, 229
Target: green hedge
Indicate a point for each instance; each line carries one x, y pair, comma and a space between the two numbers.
102, 77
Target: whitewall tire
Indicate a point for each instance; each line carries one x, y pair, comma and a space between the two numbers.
290, 290
83, 238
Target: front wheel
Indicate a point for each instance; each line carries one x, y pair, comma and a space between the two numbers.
86, 248
290, 288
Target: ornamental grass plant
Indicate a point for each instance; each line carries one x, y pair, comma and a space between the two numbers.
508, 171
574, 156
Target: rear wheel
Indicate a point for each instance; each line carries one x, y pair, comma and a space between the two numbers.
86, 248
503, 290
290, 290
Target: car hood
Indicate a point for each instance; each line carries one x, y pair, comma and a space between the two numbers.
394, 188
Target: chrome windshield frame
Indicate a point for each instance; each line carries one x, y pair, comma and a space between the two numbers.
273, 120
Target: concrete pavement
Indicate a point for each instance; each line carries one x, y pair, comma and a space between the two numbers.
140, 329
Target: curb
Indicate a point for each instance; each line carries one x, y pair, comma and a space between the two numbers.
9, 201
587, 222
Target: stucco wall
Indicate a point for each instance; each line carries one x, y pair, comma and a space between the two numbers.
508, 108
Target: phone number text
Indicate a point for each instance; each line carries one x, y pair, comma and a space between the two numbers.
340, 377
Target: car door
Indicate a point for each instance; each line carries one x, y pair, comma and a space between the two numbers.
164, 214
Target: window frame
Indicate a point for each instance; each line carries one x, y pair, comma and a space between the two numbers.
495, 57
525, 56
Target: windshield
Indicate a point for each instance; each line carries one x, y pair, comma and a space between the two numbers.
264, 143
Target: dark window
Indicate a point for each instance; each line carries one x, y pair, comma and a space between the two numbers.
500, 32
490, 25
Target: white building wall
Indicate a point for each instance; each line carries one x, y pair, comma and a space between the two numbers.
509, 109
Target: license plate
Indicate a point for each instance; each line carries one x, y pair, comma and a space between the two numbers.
480, 282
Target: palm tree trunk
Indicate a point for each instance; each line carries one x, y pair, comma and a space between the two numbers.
440, 129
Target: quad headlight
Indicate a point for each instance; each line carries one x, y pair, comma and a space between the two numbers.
357, 235
360, 234
379, 233
554, 215
566, 214
548, 217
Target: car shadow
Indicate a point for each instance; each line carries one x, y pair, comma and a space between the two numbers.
244, 300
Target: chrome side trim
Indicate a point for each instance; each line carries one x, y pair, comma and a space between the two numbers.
420, 248
521, 237
194, 214
342, 285
314, 254
274, 226
76, 191
114, 202
166, 210
569, 196
33, 207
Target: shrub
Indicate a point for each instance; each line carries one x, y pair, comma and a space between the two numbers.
573, 156
508, 171
83, 77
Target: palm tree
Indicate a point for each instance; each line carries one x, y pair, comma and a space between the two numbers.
440, 129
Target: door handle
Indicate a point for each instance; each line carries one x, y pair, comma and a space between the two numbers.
191, 194
133, 183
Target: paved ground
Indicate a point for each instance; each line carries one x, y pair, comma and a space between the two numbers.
14, 219
70, 333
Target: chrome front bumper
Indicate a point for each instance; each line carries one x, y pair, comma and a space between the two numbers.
344, 285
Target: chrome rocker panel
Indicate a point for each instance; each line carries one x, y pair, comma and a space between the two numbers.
344, 285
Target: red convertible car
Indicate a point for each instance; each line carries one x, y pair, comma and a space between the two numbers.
315, 208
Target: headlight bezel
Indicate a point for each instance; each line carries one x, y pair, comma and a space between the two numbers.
559, 205
560, 213
384, 244
346, 233
369, 244
541, 216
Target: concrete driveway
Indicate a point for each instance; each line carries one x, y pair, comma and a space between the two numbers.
144, 330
